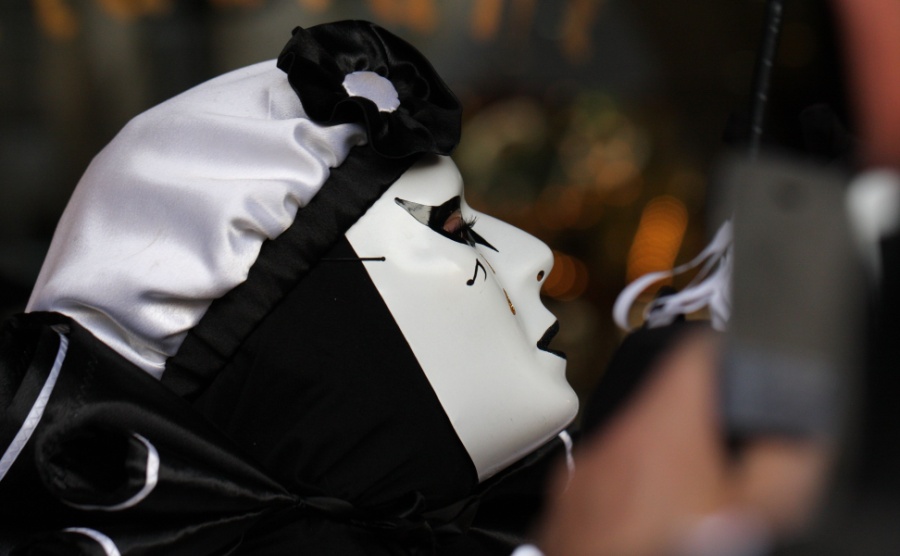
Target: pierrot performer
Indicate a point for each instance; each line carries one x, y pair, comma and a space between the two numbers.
269, 323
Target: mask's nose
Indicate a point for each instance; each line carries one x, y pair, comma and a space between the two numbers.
521, 264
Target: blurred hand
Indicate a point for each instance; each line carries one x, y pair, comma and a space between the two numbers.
872, 53
657, 480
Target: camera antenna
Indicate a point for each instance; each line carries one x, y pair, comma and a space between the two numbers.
763, 71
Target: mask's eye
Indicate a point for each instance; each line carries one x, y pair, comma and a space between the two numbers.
455, 223
447, 220
458, 228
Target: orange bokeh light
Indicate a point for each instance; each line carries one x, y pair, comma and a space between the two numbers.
658, 238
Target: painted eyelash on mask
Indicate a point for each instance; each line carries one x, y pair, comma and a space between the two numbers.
469, 224
465, 229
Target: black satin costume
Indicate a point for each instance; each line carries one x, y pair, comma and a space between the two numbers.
294, 419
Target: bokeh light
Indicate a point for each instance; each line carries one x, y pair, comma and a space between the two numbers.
658, 237
568, 279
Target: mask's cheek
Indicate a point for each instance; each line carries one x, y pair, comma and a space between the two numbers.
502, 396
446, 284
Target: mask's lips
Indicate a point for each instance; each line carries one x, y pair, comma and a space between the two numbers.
544, 343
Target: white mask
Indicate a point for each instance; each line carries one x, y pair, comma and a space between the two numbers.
469, 306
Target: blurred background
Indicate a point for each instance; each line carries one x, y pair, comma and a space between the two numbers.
592, 124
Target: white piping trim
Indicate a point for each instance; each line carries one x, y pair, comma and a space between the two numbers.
105, 542
36, 412
150, 481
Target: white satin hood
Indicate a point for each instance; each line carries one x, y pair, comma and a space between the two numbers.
173, 212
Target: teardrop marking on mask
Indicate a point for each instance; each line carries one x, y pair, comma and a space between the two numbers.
509, 302
490, 266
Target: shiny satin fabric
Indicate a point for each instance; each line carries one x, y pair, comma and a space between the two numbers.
327, 392
80, 462
210, 497
172, 213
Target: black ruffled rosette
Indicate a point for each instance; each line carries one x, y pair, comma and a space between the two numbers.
318, 59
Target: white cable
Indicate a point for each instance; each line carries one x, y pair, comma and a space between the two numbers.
567, 442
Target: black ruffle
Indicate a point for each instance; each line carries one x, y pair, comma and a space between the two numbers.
317, 59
